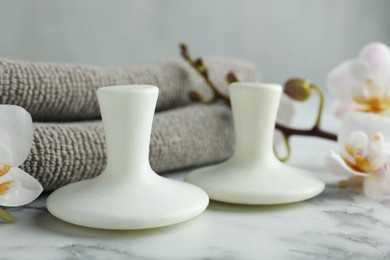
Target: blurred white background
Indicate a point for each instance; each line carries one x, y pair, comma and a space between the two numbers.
284, 38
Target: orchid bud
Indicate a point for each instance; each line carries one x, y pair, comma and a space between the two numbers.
195, 96
201, 66
298, 89
231, 77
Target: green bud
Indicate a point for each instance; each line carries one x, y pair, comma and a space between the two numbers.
298, 89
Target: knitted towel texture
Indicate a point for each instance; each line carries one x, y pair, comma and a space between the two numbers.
67, 92
69, 141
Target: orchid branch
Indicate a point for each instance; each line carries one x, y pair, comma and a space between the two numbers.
296, 89
201, 68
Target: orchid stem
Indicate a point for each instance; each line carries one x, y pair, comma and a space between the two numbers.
288, 150
352, 181
320, 106
6, 216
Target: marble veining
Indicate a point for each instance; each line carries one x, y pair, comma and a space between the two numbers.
338, 224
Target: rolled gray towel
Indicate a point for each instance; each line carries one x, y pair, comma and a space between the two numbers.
66, 92
68, 152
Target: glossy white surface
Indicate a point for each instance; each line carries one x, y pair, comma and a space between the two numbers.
253, 175
128, 194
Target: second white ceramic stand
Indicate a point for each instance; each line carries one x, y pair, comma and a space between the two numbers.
128, 194
253, 175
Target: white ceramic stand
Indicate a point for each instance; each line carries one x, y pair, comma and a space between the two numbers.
253, 175
128, 194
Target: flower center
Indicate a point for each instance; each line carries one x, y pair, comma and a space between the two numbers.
363, 154
5, 186
360, 164
373, 105
4, 169
373, 100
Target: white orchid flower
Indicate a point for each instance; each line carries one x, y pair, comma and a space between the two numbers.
364, 152
16, 136
363, 84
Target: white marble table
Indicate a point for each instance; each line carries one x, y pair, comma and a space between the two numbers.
336, 225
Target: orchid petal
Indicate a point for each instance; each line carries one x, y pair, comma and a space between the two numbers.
342, 109
358, 141
386, 94
366, 122
342, 167
16, 132
375, 54
376, 149
346, 78
378, 187
23, 190
335, 166
6, 159
377, 58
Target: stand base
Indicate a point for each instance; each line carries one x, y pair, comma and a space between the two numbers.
269, 184
127, 204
